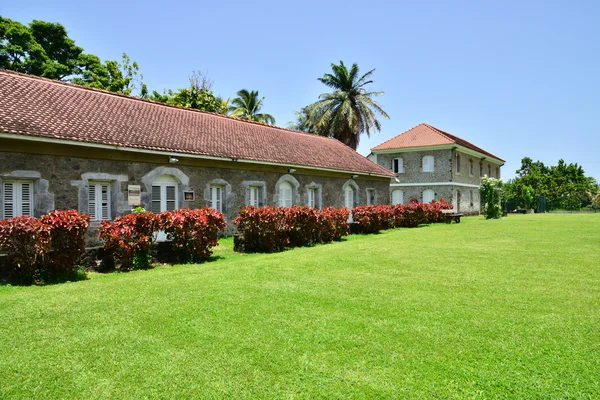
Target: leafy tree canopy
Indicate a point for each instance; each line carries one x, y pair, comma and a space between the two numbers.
563, 185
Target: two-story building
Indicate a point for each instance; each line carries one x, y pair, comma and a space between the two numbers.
431, 164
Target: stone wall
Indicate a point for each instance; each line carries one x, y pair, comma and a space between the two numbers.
413, 165
62, 182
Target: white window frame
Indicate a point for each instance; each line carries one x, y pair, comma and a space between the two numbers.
428, 191
254, 196
349, 197
312, 197
216, 197
95, 205
398, 165
428, 164
161, 187
396, 200
17, 200
286, 187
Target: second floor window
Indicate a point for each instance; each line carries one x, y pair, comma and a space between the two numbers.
471, 167
398, 165
457, 163
428, 163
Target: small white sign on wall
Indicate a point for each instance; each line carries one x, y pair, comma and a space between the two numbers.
134, 195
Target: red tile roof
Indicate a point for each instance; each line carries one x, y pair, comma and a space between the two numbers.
40, 107
427, 135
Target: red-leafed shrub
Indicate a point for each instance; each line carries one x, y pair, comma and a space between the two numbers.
332, 224
129, 239
369, 219
301, 225
261, 229
413, 215
43, 249
67, 240
269, 229
26, 241
433, 211
192, 233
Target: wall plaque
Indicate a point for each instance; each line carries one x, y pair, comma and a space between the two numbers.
134, 195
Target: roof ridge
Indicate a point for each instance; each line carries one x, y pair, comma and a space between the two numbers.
158, 103
400, 134
440, 132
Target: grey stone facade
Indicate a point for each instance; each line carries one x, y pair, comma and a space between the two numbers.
61, 182
455, 177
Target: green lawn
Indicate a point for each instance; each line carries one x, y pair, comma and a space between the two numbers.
484, 309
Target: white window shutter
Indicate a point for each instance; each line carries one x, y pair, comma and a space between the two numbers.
9, 199
26, 197
105, 201
219, 199
400, 165
171, 203
156, 199
92, 201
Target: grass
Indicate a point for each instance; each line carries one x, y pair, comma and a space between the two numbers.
506, 308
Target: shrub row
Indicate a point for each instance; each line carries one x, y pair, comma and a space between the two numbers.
269, 229
372, 219
43, 249
129, 240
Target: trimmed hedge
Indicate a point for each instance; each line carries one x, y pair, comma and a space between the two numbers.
372, 219
43, 249
129, 240
270, 229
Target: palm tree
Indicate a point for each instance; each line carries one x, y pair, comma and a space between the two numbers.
349, 110
303, 122
247, 106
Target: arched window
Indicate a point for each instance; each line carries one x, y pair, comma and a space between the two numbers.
285, 194
397, 197
164, 194
349, 197
470, 167
428, 163
498, 172
457, 163
428, 196
489, 171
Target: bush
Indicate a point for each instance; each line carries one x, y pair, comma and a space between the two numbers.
489, 191
433, 211
43, 249
270, 229
67, 241
26, 241
192, 233
413, 214
129, 239
332, 224
262, 229
370, 219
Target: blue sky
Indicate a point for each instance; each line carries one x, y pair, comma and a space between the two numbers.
517, 78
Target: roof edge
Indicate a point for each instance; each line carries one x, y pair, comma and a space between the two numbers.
42, 139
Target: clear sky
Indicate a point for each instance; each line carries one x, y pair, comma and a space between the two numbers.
517, 78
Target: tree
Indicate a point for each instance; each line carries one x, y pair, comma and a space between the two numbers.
198, 95
489, 191
247, 106
303, 122
45, 49
350, 109
563, 185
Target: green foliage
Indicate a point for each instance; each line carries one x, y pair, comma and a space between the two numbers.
349, 110
303, 122
564, 186
247, 106
45, 49
489, 191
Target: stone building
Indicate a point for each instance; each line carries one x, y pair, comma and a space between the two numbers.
430, 164
64, 146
